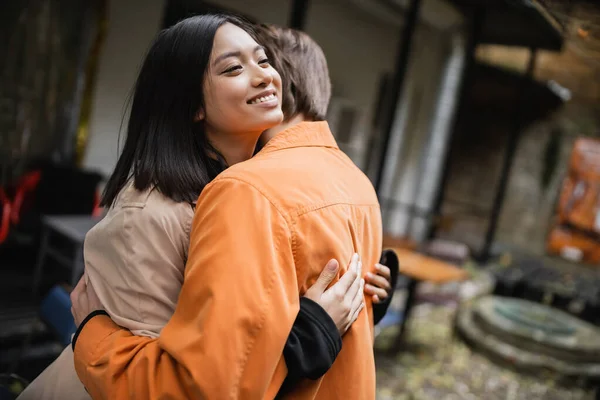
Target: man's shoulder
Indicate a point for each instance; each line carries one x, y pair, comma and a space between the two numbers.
292, 184
240, 181
250, 174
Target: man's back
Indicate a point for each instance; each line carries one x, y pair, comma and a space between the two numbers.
332, 211
261, 232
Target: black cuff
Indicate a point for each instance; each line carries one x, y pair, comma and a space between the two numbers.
389, 258
312, 346
312, 311
85, 321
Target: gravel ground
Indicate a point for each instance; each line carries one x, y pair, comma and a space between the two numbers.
437, 365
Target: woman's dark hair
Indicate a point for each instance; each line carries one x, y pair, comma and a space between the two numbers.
165, 148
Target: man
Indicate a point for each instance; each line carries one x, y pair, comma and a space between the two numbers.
298, 202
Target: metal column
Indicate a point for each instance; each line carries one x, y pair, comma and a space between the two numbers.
477, 19
403, 57
509, 155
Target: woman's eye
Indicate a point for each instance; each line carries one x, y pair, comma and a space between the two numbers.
233, 69
264, 61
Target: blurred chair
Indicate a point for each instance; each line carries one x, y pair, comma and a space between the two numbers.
46, 189
47, 200
73, 228
55, 312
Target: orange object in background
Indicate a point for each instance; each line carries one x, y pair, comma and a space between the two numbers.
585, 158
579, 204
576, 237
573, 245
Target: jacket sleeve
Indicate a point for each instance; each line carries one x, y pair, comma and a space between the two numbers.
389, 258
312, 346
236, 309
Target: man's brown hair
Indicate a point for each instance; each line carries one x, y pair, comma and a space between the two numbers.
303, 68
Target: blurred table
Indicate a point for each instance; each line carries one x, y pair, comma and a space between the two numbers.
73, 228
416, 268
426, 268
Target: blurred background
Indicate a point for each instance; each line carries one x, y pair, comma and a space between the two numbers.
478, 122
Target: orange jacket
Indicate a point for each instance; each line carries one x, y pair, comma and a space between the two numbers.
261, 233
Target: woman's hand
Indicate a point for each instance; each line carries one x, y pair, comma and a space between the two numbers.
84, 300
379, 285
344, 300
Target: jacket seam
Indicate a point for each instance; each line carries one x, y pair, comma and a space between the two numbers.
259, 190
263, 312
316, 207
301, 211
250, 345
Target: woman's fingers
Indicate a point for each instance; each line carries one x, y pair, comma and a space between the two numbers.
384, 271
356, 286
355, 305
355, 315
327, 275
378, 280
374, 290
350, 300
359, 296
349, 277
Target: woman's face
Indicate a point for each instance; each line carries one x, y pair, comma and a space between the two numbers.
242, 92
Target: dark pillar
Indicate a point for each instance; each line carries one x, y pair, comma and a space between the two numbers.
476, 23
509, 156
298, 14
402, 59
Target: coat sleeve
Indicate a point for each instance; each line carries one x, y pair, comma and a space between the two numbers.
237, 306
312, 346
389, 258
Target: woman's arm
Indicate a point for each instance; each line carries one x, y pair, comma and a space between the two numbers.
231, 322
325, 315
135, 258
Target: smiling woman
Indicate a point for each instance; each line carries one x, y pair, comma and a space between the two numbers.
238, 83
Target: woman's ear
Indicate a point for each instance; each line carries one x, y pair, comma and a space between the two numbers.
199, 115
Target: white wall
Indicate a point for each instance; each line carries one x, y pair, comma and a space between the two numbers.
132, 25
359, 48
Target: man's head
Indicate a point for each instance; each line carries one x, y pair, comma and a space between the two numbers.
303, 69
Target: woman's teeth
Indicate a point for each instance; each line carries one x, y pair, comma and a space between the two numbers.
263, 99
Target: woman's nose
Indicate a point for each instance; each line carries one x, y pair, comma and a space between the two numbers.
262, 76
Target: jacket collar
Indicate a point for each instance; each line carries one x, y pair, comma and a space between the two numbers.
304, 134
